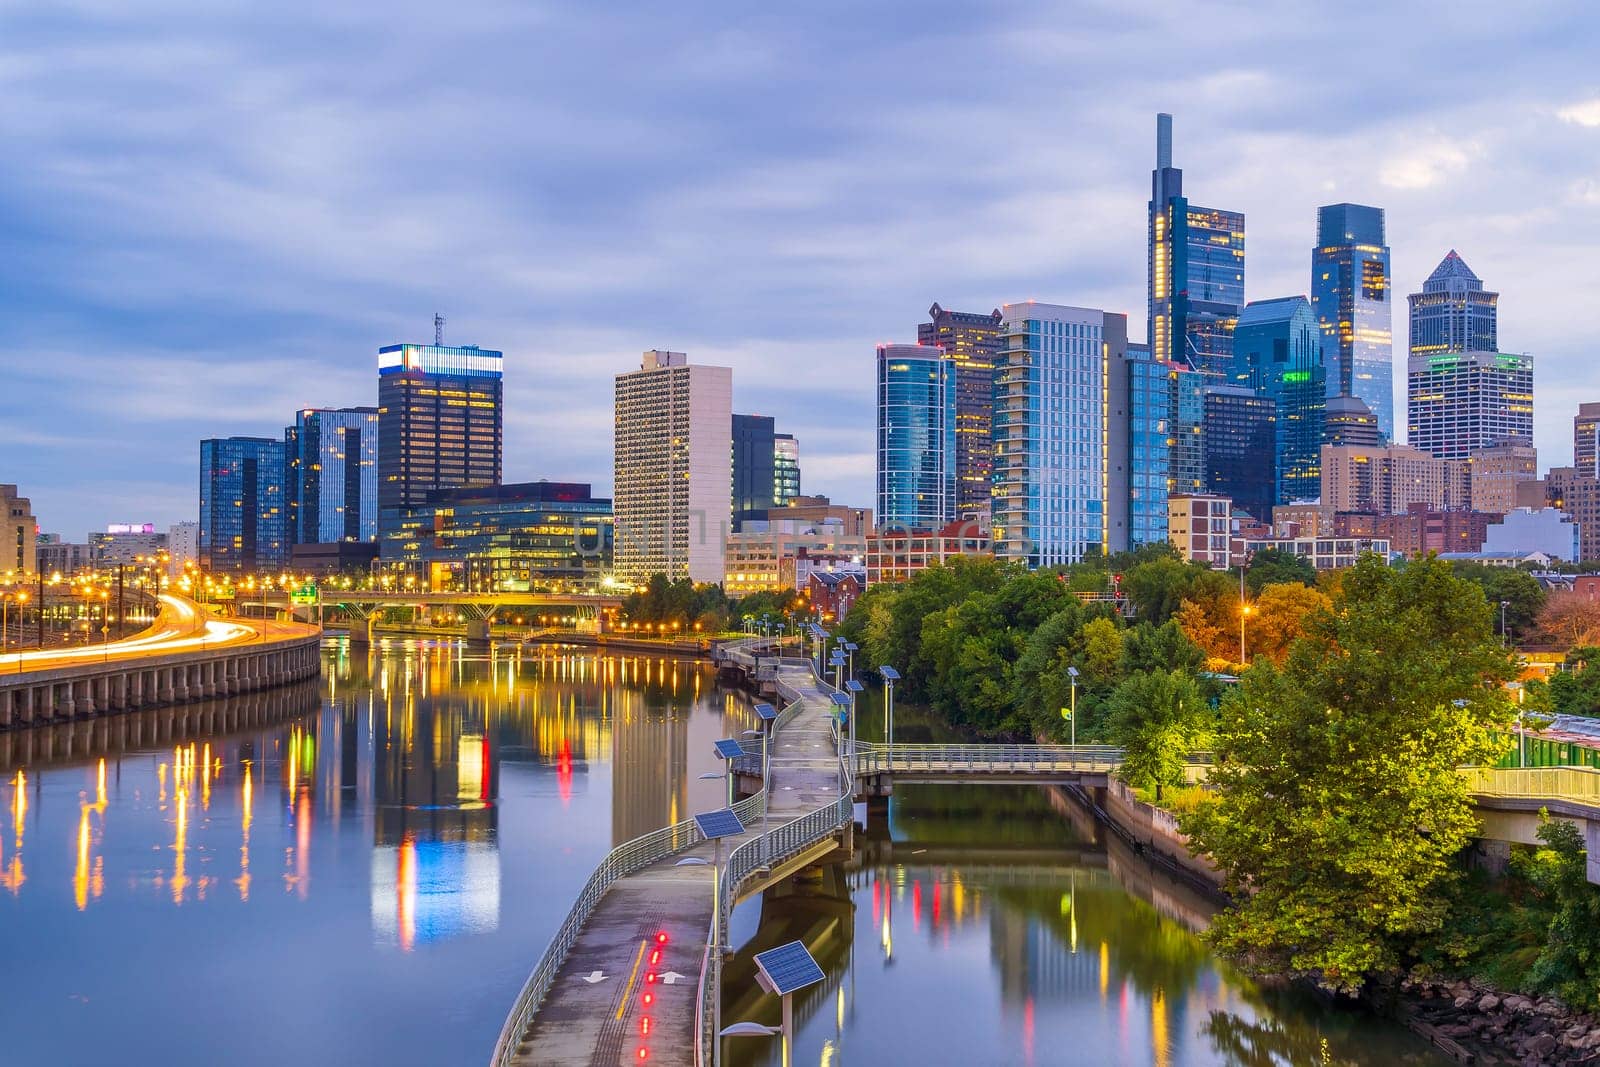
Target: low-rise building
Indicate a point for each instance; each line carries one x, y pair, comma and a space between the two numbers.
66, 558
1325, 553
1421, 529
898, 555
126, 543
1200, 525
1302, 520
854, 522
831, 593
764, 555
1528, 530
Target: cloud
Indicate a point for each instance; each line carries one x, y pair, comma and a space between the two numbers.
1584, 113
1426, 165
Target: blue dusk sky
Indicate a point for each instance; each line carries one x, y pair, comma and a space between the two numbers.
215, 212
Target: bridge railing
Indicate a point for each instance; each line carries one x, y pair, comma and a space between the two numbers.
874, 758
1580, 784
620, 862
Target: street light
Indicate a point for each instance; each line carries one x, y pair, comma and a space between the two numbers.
890, 676
1503, 605
1072, 712
850, 648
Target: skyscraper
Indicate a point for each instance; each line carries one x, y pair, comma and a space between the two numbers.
1241, 426
1278, 353
439, 421
1053, 433
1350, 294
1453, 313
916, 437
1140, 397
1586, 440
755, 478
1462, 402
243, 521
331, 481
785, 468
1195, 270
673, 494
972, 341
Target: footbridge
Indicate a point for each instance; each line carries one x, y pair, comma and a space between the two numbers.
479, 610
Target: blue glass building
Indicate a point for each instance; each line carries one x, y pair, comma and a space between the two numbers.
1350, 295
916, 437
1195, 271
332, 475
243, 521
1278, 353
1053, 426
1241, 428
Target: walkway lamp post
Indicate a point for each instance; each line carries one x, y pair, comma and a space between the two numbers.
1244, 613
855, 688
837, 662
1072, 712
890, 676
714, 826
850, 650
781, 972
1504, 604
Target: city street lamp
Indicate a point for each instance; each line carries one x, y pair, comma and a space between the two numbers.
890, 676
1072, 712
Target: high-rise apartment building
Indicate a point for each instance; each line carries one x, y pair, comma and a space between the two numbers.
1240, 440
785, 468
440, 415
673, 495
1195, 270
916, 437
1462, 402
1389, 479
755, 478
972, 341
1586, 440
1278, 353
1496, 472
1053, 433
1453, 313
1140, 399
19, 533
244, 524
332, 476
1350, 293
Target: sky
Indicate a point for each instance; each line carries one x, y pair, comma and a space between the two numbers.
214, 213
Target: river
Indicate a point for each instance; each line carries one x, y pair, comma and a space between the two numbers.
363, 869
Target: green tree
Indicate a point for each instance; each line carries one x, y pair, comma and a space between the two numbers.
1569, 965
1521, 592
1157, 587
1165, 647
1159, 718
1576, 691
1272, 566
1338, 806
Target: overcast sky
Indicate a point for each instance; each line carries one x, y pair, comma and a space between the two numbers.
214, 213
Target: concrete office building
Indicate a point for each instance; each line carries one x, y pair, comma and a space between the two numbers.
19, 533
125, 543
673, 495
1390, 479
1527, 530
183, 546
1586, 440
1496, 470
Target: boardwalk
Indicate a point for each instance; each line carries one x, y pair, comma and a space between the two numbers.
620, 973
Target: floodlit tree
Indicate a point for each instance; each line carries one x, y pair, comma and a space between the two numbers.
1338, 806
1278, 618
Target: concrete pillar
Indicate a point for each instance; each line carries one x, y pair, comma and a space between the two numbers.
477, 631
164, 691
25, 708
8, 699
1591, 840
119, 691
82, 698
208, 678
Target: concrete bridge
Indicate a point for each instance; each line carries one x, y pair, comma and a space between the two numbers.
187, 654
478, 610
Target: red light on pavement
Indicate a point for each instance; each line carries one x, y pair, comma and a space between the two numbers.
649, 998
644, 1054
655, 957
650, 978
661, 937
644, 1026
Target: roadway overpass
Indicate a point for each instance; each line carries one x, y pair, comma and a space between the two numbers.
479, 610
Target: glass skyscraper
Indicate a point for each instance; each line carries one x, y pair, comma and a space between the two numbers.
755, 478
1149, 415
439, 422
331, 482
1241, 427
1350, 294
916, 437
1052, 432
1453, 313
243, 521
972, 340
1278, 353
1195, 271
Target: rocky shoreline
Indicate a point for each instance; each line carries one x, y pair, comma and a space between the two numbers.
1477, 1024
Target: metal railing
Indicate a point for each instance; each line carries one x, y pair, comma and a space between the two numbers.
1578, 784
620, 862
873, 758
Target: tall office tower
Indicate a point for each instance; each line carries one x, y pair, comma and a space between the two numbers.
673, 495
1496, 473
1240, 439
755, 478
1586, 440
785, 469
439, 422
1278, 353
916, 437
972, 341
1460, 402
244, 526
19, 533
1195, 271
1350, 293
1056, 448
332, 475
1453, 313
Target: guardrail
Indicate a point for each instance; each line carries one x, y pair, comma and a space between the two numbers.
625, 859
1579, 784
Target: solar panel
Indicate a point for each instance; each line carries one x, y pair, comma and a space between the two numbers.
851, 646
715, 824
787, 969
767, 712
728, 748
854, 686
889, 674
840, 699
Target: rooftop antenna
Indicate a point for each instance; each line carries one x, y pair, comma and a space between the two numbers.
438, 330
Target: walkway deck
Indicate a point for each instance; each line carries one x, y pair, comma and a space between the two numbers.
595, 1011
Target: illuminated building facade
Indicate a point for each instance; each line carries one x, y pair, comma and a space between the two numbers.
916, 450
19, 533
1586, 440
1278, 354
1052, 431
1141, 401
244, 524
672, 437
1195, 270
522, 537
332, 482
1388, 480
1454, 313
1461, 402
785, 468
972, 341
125, 543
899, 555
1350, 294
439, 422
1240, 441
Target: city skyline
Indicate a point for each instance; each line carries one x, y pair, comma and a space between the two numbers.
161, 303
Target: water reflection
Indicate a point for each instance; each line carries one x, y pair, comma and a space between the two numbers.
276, 852
996, 925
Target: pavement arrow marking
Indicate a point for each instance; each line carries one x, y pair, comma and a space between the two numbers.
671, 977
594, 976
